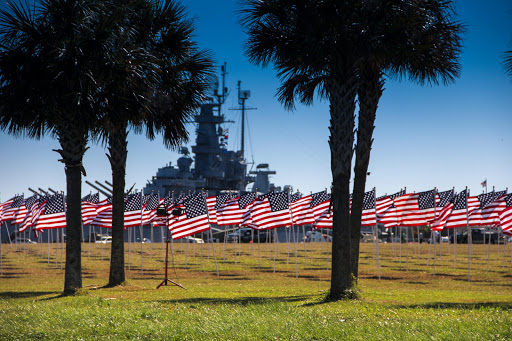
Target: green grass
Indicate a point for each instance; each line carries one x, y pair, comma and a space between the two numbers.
254, 298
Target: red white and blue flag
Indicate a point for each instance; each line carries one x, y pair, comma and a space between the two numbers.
195, 218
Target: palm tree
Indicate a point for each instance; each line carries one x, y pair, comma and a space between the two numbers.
508, 62
312, 46
49, 76
158, 78
415, 39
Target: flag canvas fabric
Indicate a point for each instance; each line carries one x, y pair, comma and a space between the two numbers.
195, 217
133, 206
487, 214
233, 210
270, 211
104, 216
20, 215
150, 206
216, 202
11, 207
301, 211
32, 208
443, 209
53, 213
462, 206
506, 214
416, 209
368, 216
89, 208
321, 208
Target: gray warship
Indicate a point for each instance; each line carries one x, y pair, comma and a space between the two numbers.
213, 167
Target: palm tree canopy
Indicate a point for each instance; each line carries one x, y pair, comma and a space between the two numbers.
305, 40
158, 74
508, 62
49, 55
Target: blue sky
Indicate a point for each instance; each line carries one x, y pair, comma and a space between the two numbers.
443, 136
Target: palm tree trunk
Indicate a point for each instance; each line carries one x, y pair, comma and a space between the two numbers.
369, 93
342, 92
73, 144
118, 153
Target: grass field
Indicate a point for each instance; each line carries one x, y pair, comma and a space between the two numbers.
254, 297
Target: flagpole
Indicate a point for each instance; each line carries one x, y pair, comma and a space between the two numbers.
470, 237
141, 236
211, 238
376, 231
295, 245
454, 240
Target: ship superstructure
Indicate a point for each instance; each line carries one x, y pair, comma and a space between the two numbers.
215, 168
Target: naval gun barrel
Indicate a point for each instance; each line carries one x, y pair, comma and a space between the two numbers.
98, 189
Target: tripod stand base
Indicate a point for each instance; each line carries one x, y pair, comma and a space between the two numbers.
166, 280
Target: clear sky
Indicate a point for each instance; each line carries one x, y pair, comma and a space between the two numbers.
443, 136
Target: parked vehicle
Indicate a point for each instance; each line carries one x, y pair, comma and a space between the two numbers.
23, 241
144, 240
317, 236
246, 235
189, 239
104, 240
477, 237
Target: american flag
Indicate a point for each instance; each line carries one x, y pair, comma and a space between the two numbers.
195, 219
320, 206
270, 211
321, 210
133, 205
506, 214
233, 210
89, 208
11, 207
295, 196
301, 211
150, 206
385, 202
30, 207
104, 216
488, 212
53, 214
215, 202
368, 216
416, 209
19, 217
457, 216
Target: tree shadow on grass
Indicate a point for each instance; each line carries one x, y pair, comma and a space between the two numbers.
243, 301
25, 294
458, 305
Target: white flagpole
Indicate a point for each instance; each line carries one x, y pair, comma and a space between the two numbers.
1, 252
294, 241
49, 232
470, 239
376, 231
454, 241
275, 246
141, 236
213, 243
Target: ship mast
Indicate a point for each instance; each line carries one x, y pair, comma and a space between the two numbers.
243, 95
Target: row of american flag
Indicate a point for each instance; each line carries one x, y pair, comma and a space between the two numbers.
439, 210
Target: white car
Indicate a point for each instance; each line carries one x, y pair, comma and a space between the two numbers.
188, 239
104, 240
23, 241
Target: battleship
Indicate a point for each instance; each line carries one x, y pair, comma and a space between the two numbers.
213, 167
